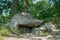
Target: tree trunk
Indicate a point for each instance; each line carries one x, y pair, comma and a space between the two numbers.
24, 6
14, 7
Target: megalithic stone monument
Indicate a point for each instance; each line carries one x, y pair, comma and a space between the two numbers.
23, 22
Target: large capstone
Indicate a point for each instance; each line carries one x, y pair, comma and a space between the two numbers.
25, 23
24, 20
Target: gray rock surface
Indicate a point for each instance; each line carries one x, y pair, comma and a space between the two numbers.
25, 20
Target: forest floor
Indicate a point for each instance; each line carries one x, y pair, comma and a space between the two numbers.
14, 38
34, 38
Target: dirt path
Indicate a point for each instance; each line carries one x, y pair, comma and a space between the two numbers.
33, 38
14, 38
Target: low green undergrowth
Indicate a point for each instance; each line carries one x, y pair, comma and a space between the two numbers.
4, 31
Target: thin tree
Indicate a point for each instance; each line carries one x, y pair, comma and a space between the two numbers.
14, 7
25, 6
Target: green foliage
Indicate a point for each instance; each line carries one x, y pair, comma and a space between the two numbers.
7, 30
20, 6
5, 19
4, 31
4, 4
40, 10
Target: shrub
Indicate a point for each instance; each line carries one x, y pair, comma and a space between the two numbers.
4, 31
